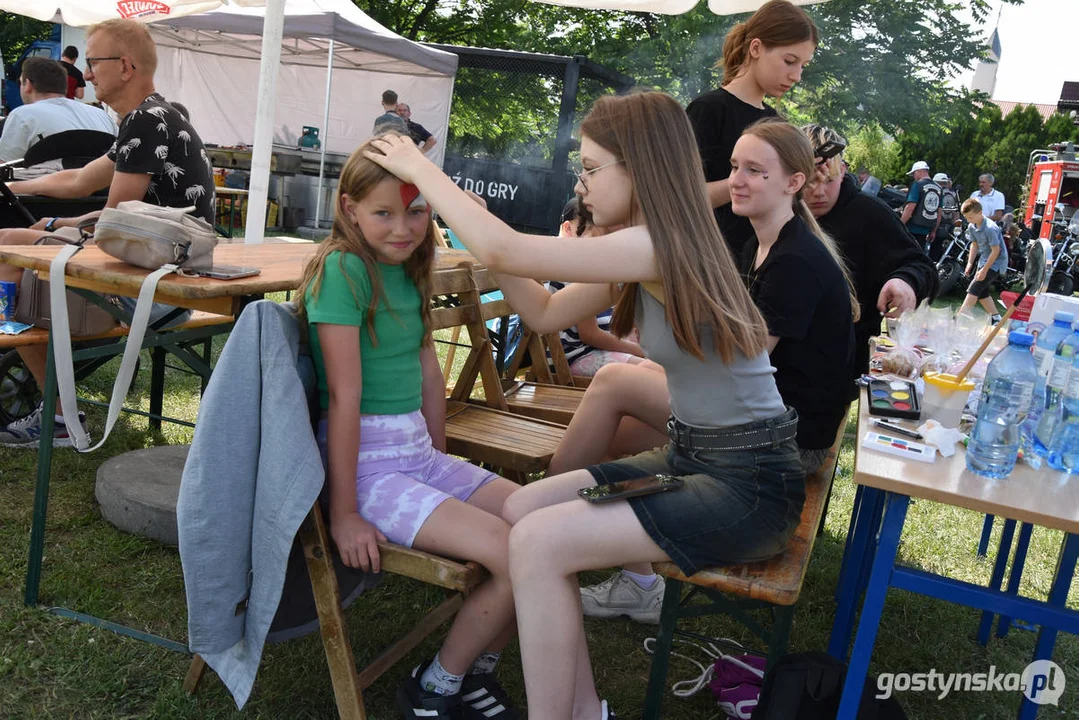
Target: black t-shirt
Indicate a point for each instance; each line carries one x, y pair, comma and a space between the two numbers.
417, 132
877, 248
154, 139
718, 120
803, 296
75, 79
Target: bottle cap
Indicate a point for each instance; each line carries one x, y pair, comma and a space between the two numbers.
1063, 316
1022, 339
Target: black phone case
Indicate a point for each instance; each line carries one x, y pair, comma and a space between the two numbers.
638, 492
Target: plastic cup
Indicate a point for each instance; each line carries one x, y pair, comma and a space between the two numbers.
944, 398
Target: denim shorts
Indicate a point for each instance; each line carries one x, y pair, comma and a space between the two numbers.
736, 506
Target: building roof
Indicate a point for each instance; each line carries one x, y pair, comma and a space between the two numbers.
1006, 107
1069, 96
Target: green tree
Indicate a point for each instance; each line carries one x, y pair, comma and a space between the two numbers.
17, 32
984, 141
883, 61
870, 147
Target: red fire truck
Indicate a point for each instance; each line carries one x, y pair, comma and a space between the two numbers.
1053, 179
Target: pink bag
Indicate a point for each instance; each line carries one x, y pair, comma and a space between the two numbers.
735, 680
736, 684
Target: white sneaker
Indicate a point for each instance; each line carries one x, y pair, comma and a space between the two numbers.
619, 596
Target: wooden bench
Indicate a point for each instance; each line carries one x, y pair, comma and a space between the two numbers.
457, 578
774, 584
180, 340
40, 336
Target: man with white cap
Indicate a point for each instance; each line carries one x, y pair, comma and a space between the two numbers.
991, 200
949, 213
921, 214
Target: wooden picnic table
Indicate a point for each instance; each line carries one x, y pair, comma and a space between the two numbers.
282, 267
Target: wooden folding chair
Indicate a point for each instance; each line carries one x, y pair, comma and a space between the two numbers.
348, 685
487, 432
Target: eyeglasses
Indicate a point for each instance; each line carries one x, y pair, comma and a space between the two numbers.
91, 60
581, 174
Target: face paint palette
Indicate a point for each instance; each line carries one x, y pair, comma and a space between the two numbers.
893, 398
895, 445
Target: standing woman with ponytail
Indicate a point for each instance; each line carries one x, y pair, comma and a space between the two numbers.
761, 56
798, 280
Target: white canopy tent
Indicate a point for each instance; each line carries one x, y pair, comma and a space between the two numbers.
670, 7
209, 63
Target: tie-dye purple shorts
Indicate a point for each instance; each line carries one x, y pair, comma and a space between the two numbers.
401, 478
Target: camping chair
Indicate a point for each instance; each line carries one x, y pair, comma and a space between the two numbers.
73, 148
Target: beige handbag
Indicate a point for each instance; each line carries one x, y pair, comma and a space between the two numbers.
34, 307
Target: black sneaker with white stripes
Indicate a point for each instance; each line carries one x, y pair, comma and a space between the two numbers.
414, 702
486, 697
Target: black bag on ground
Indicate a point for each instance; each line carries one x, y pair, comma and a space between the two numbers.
808, 686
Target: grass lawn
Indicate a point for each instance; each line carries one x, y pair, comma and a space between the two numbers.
54, 667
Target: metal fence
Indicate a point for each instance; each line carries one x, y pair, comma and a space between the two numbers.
511, 128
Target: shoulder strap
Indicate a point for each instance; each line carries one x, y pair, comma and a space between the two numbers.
61, 339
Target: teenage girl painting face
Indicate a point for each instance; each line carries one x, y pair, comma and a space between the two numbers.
604, 185
392, 230
759, 184
777, 69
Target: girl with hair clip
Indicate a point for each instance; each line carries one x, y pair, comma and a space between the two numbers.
731, 438
763, 56
798, 280
366, 296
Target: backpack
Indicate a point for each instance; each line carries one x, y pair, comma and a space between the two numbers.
808, 686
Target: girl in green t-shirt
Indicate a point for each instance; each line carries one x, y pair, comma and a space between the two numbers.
366, 298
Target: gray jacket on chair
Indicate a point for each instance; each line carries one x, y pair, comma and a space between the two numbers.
252, 475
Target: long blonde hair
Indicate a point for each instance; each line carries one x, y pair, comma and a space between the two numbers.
359, 176
651, 134
796, 156
777, 23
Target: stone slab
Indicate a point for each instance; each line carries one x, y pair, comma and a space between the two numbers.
138, 490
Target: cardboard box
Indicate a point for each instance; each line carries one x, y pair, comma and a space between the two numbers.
1046, 305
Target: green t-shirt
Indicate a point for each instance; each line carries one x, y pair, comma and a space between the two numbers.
392, 379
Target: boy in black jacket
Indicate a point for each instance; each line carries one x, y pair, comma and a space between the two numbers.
890, 271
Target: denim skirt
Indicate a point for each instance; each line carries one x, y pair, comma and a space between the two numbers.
735, 506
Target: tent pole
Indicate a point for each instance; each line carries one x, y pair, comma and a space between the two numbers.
325, 133
272, 31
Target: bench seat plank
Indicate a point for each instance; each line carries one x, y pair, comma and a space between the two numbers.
40, 336
556, 403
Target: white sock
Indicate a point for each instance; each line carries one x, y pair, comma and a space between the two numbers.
603, 711
485, 663
438, 679
644, 582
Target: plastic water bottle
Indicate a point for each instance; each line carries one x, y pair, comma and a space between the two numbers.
1006, 399
1055, 384
1044, 350
1064, 445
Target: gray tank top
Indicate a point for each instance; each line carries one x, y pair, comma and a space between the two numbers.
708, 393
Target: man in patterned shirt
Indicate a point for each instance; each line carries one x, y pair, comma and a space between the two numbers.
157, 158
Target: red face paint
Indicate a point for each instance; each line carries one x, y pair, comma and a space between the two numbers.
409, 193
